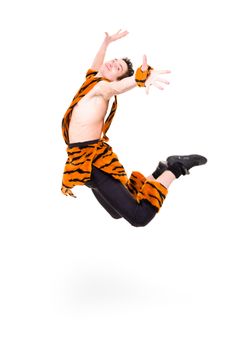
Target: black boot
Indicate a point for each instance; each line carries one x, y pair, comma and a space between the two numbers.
180, 165
162, 166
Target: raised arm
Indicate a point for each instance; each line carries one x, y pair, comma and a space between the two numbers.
99, 58
109, 89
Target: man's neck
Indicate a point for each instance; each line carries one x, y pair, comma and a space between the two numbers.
99, 75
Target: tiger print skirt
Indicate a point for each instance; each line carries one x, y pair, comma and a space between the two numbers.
78, 169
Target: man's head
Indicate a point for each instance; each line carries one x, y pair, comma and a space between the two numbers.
117, 69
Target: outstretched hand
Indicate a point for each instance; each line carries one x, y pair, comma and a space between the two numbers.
116, 36
154, 77
144, 63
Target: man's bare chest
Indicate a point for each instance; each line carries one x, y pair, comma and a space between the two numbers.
92, 108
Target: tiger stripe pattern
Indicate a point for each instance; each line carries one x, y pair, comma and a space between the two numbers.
79, 164
78, 170
90, 82
140, 76
143, 189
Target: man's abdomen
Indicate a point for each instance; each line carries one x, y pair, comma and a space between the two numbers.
87, 119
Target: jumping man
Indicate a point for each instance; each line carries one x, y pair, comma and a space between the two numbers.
91, 160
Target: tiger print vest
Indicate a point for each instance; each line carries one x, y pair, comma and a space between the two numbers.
79, 163
89, 83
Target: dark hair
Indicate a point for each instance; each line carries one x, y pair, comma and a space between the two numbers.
130, 70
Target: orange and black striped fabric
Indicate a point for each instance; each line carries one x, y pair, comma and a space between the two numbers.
140, 76
78, 170
89, 83
79, 164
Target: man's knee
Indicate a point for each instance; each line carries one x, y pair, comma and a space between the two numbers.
115, 216
143, 217
140, 223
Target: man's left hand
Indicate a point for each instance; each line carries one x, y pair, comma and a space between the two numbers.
156, 80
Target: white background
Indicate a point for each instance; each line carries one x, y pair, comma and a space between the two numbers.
71, 276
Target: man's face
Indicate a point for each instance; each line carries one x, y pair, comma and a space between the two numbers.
113, 69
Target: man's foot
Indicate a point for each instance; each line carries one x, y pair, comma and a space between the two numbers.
180, 165
162, 166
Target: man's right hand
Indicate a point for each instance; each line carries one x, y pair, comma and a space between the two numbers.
118, 35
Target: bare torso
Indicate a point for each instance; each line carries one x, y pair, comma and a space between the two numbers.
87, 118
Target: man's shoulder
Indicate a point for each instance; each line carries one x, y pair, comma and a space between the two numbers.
91, 73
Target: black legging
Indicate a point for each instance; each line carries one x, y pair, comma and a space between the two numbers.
118, 201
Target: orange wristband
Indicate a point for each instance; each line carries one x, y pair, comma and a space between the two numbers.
140, 76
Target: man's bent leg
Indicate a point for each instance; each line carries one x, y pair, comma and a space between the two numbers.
105, 204
119, 198
166, 178
102, 201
